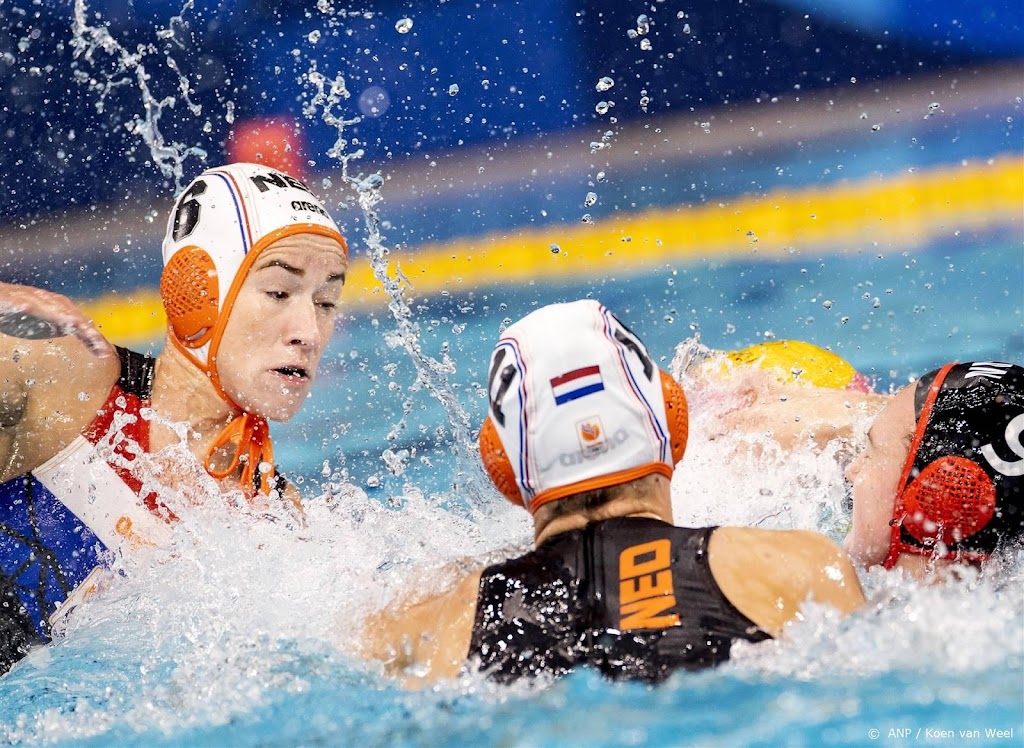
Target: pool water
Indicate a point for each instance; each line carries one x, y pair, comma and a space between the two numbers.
242, 633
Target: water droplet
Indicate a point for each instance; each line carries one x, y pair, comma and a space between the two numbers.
590, 199
314, 37
934, 107
827, 304
603, 107
404, 25
601, 176
587, 218
643, 25
604, 84
853, 80
555, 249
686, 28
453, 89
645, 45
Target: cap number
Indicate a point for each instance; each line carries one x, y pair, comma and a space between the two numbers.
1011, 468
186, 216
506, 377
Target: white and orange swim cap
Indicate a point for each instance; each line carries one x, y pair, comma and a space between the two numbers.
577, 404
221, 223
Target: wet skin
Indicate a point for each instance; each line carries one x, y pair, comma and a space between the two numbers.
875, 475
280, 324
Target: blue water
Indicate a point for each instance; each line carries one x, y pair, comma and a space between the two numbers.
243, 637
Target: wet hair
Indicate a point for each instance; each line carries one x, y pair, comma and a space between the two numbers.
588, 502
961, 494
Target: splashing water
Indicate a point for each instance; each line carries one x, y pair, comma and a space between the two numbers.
432, 374
89, 42
769, 486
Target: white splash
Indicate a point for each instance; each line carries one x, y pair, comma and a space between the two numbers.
92, 42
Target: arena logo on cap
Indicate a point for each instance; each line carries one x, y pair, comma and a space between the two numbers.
576, 384
571, 459
987, 369
590, 433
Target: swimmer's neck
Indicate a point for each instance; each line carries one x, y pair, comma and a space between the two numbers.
548, 522
182, 393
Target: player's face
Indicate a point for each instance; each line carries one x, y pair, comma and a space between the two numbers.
280, 323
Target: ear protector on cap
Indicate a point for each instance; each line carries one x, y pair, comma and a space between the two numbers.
950, 500
189, 289
221, 223
958, 495
577, 404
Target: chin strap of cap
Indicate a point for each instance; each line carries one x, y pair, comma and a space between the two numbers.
249, 436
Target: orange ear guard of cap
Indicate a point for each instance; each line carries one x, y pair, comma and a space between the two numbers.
498, 467
188, 288
496, 463
677, 413
951, 499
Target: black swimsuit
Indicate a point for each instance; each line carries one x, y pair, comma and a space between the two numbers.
634, 598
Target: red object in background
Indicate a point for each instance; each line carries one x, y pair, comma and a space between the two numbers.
278, 144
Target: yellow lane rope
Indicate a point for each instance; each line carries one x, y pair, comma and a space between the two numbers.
905, 210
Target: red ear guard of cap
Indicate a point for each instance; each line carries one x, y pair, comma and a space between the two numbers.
951, 499
188, 288
498, 467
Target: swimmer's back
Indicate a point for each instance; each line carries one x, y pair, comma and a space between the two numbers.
634, 598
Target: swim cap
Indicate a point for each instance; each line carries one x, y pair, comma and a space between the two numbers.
795, 360
962, 485
577, 404
221, 223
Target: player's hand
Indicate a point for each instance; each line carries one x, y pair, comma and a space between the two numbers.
34, 314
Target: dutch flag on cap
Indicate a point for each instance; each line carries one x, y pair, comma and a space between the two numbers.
576, 384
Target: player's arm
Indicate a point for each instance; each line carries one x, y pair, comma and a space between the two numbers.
424, 641
792, 566
33, 313
51, 381
795, 414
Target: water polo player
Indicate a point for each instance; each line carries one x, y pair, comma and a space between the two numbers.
584, 432
942, 477
253, 270
790, 391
